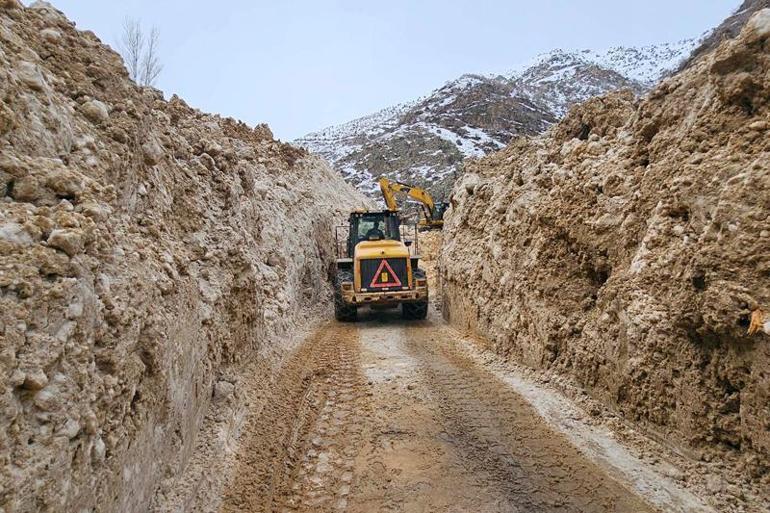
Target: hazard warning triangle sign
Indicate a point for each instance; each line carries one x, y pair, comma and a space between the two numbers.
385, 277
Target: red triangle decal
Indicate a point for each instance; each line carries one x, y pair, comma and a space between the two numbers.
385, 277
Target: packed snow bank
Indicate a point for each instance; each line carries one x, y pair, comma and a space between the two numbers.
147, 252
630, 248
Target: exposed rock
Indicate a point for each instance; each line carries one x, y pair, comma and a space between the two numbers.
635, 267
15, 233
275, 260
223, 390
758, 27
71, 428
262, 131
48, 10
96, 111
26, 188
48, 399
68, 240
51, 35
99, 449
35, 380
10, 4
152, 152
31, 76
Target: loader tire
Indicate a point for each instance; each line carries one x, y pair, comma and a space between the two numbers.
343, 312
414, 311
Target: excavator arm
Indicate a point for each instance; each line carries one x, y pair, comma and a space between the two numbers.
389, 188
389, 193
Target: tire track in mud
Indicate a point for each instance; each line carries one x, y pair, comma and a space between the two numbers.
446, 436
390, 416
304, 435
323, 479
497, 434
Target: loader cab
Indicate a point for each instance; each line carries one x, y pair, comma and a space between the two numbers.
373, 226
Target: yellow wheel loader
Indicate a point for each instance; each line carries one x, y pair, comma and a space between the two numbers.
377, 267
432, 212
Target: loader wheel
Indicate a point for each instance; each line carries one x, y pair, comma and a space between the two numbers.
414, 311
343, 312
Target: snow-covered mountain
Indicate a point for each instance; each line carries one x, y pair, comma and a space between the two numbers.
424, 142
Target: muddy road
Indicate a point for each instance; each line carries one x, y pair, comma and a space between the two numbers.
388, 415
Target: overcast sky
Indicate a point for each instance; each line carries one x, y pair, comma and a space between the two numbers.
302, 65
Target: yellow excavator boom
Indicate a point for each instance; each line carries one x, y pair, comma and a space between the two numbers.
389, 193
433, 217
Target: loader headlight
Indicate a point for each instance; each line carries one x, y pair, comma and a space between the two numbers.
347, 286
422, 283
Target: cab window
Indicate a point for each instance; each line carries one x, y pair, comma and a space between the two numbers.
377, 228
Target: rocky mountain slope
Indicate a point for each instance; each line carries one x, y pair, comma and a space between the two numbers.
629, 248
728, 29
426, 141
149, 253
